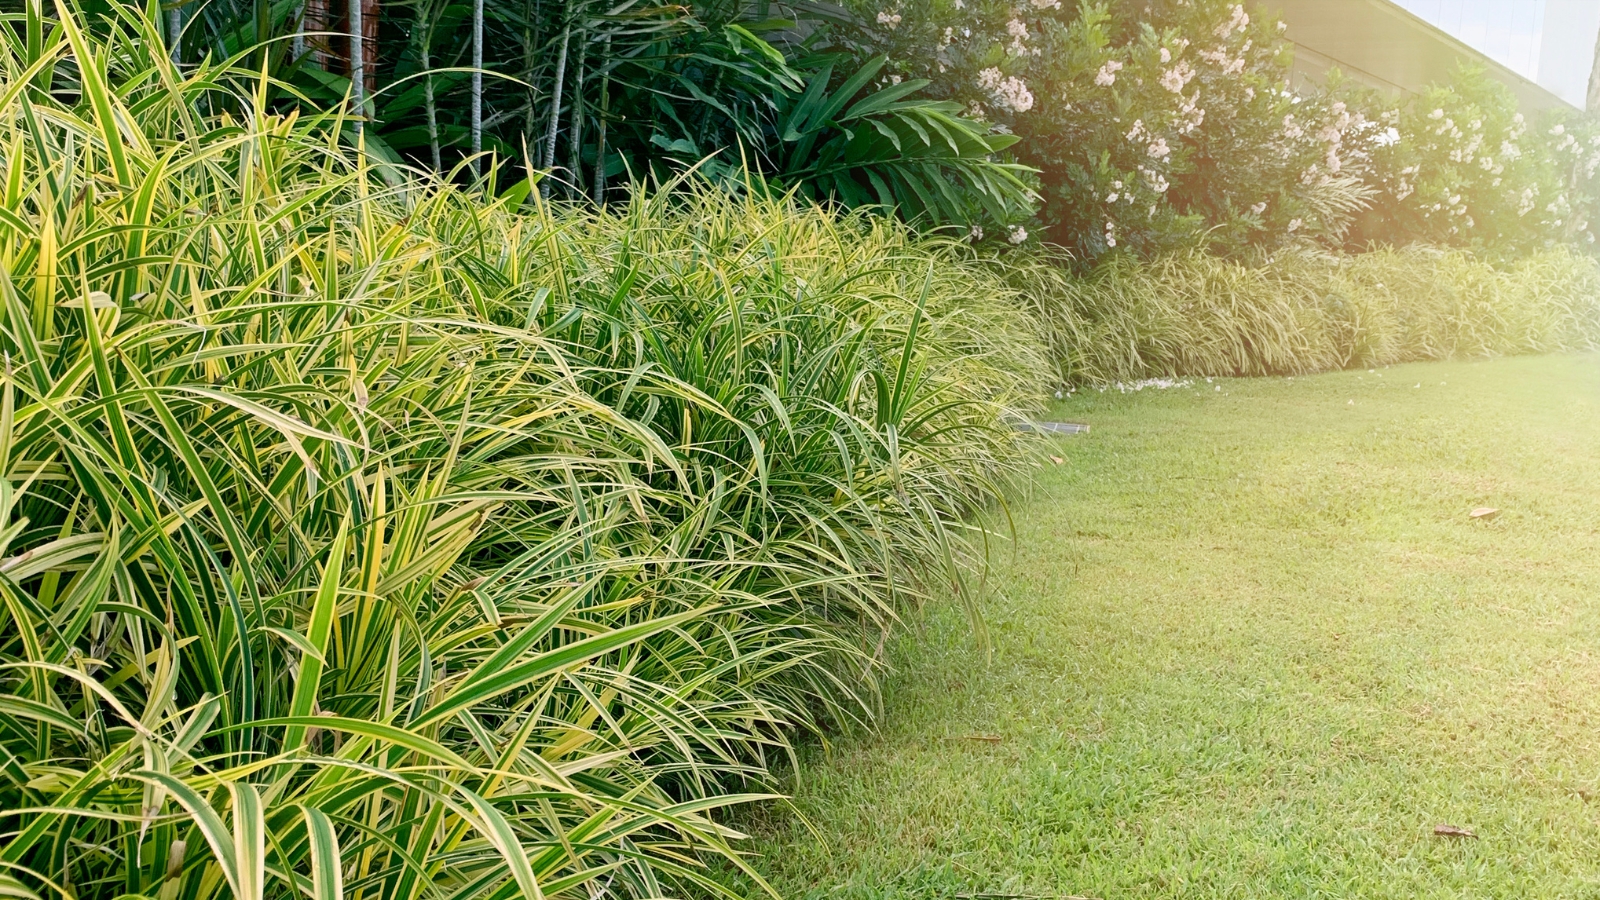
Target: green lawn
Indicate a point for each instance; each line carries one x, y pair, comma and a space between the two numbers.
1250, 644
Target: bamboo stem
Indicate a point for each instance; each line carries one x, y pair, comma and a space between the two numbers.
175, 34
555, 114
358, 63
477, 84
600, 139
575, 129
429, 104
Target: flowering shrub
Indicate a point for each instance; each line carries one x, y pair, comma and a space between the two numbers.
1171, 124
1458, 166
1153, 128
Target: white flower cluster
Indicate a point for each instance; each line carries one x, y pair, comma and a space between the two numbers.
1118, 193
1177, 78
1107, 76
1238, 19
1111, 234
1593, 161
891, 19
1527, 200
1155, 146
1405, 188
1190, 114
1332, 134
1225, 61
1017, 234
1160, 384
1018, 30
1007, 92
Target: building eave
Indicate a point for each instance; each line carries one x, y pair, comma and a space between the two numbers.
1384, 45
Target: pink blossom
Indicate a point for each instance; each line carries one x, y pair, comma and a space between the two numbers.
1007, 92
1175, 78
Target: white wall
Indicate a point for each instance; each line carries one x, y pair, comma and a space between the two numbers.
1551, 42
1509, 32
1566, 53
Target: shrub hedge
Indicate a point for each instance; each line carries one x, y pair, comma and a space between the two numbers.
362, 536
1197, 314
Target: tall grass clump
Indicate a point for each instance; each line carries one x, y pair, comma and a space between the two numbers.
360, 536
1198, 314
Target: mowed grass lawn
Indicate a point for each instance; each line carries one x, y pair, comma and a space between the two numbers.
1249, 643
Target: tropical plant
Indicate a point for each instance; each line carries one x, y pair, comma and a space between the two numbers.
586, 95
360, 534
887, 149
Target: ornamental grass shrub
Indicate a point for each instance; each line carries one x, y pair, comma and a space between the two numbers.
361, 535
1197, 314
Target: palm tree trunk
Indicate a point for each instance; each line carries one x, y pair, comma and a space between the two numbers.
555, 113
477, 83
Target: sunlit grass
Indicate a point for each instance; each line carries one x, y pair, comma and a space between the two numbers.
1251, 645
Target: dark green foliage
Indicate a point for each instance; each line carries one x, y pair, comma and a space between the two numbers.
602, 95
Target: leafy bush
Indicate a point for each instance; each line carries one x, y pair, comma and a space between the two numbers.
1155, 126
1458, 166
361, 535
1196, 314
859, 147
1172, 125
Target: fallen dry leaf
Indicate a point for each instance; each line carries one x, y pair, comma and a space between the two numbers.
1485, 512
1057, 460
1452, 831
